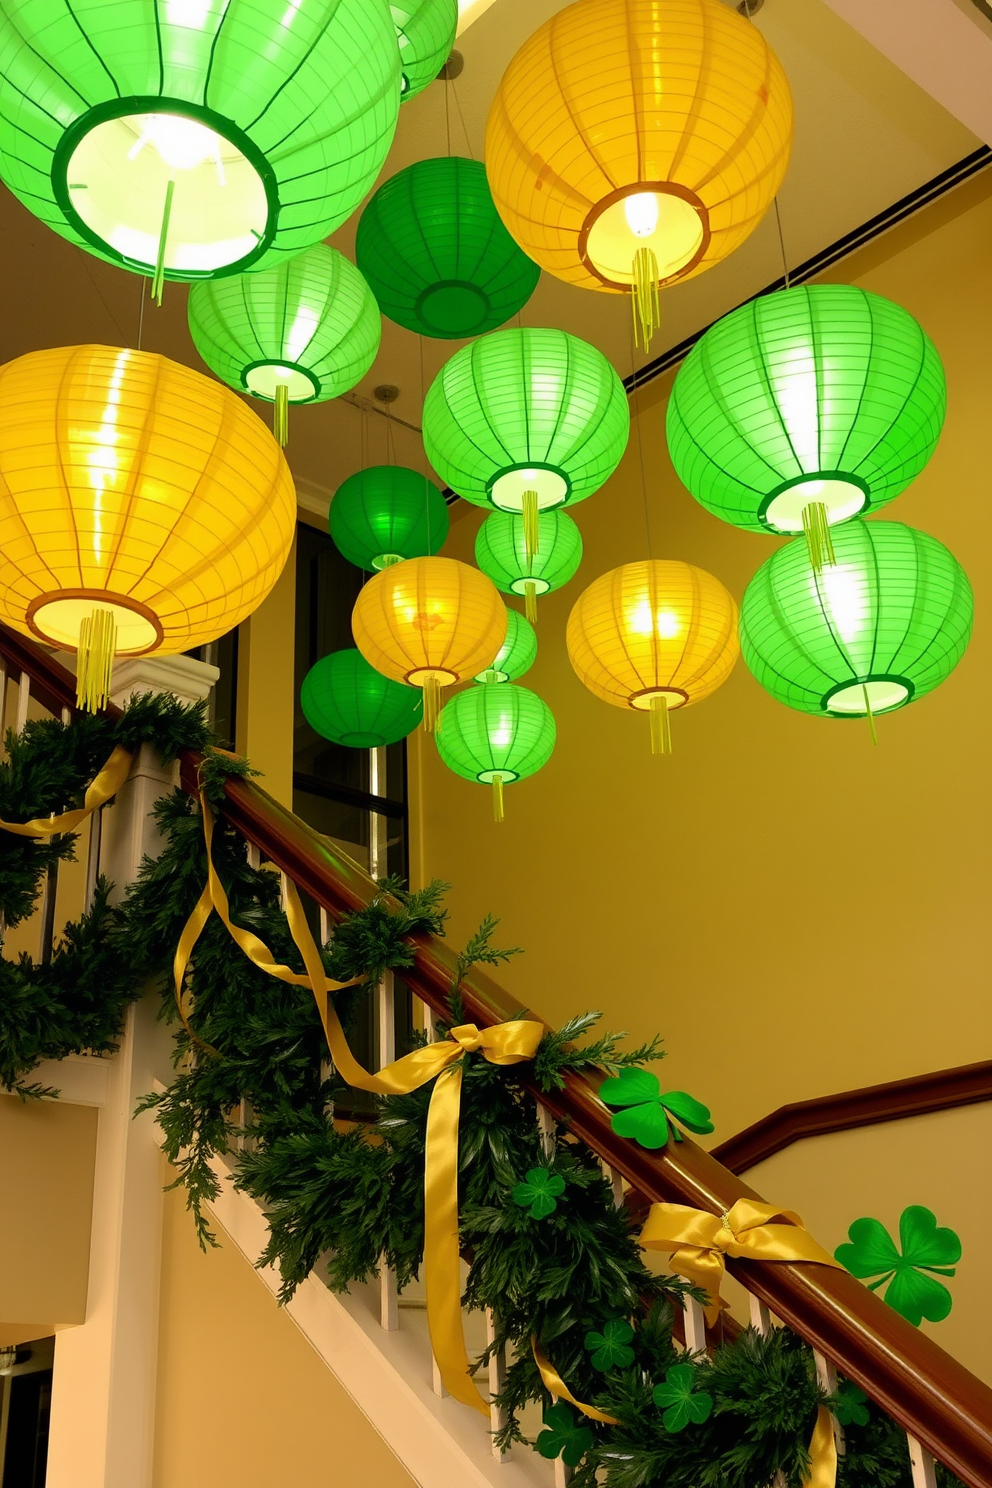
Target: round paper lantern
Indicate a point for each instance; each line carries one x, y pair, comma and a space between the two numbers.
429, 622
195, 138
653, 636
381, 515
350, 703
425, 30
136, 489
517, 653
433, 248
631, 127
496, 734
887, 623
823, 395
300, 332
501, 552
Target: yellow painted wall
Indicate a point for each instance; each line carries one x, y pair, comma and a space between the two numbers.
265, 685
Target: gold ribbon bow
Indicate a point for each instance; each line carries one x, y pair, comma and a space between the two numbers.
506, 1043
104, 785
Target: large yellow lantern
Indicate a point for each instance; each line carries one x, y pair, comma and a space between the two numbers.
638, 142
653, 636
143, 507
429, 622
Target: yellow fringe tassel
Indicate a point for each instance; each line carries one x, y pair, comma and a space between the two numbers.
532, 528
644, 300
530, 601
432, 702
95, 660
871, 716
497, 798
818, 539
661, 730
158, 278
280, 416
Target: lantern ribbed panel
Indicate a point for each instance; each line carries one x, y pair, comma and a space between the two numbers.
824, 380
429, 615
350, 703
314, 314
523, 397
309, 95
896, 607
654, 626
438, 258
613, 96
517, 653
496, 729
387, 510
500, 551
425, 30
129, 478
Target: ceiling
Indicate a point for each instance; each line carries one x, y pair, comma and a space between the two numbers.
866, 134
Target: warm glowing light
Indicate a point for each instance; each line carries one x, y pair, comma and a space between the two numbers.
182, 143
641, 212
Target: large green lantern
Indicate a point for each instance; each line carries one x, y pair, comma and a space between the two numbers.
425, 30
526, 420
300, 332
497, 733
822, 397
882, 626
501, 552
436, 253
349, 702
517, 653
381, 515
194, 138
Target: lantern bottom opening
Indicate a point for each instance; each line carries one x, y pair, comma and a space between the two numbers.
56, 618
452, 308
847, 700
507, 490
485, 777
112, 173
843, 497
674, 696
667, 219
420, 676
262, 379
491, 676
519, 586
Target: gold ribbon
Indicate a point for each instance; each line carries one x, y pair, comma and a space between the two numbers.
554, 1383
700, 1242
822, 1452
104, 785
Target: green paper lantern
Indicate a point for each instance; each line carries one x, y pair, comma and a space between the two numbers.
517, 653
891, 619
433, 248
311, 325
425, 30
525, 411
496, 733
381, 515
501, 552
270, 118
824, 394
349, 702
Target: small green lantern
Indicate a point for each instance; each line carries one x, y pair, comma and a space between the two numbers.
438, 258
425, 30
885, 624
804, 408
526, 420
195, 138
501, 552
496, 733
349, 702
300, 332
517, 653
382, 515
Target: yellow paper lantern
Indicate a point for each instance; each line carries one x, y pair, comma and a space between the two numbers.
653, 636
627, 128
143, 507
429, 622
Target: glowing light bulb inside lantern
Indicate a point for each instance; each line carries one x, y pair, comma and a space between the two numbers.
641, 212
183, 144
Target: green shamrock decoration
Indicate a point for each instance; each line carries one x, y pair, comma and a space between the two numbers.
610, 1349
850, 1405
646, 1118
564, 1437
924, 1248
539, 1192
680, 1400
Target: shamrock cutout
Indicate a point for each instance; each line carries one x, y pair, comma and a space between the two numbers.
646, 1118
682, 1403
563, 1438
610, 1349
539, 1192
850, 1405
924, 1248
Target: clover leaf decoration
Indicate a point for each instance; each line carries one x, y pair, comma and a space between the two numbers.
925, 1247
564, 1437
610, 1349
645, 1119
850, 1405
680, 1399
539, 1192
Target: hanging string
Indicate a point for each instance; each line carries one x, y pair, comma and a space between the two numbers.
781, 244
640, 442
141, 312
427, 493
447, 117
461, 117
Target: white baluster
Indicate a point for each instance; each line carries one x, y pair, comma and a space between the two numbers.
66, 716
826, 1376
546, 1127
93, 857
437, 1384
497, 1380
613, 1178
761, 1319
325, 926
695, 1326
388, 1295
922, 1464
23, 698
254, 856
